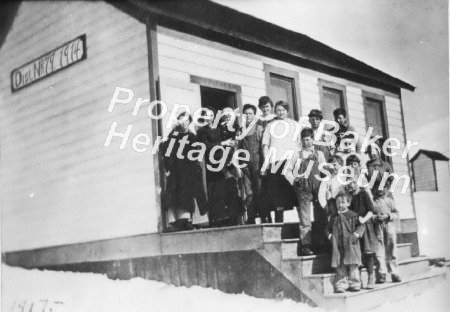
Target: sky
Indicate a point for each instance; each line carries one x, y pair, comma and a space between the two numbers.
406, 39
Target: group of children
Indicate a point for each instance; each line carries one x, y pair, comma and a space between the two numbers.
362, 234
356, 220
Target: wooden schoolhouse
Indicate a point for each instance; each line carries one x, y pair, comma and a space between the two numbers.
430, 171
70, 203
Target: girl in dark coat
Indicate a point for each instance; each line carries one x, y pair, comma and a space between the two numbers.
184, 184
361, 203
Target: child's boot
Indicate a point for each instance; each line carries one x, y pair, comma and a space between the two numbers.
370, 259
381, 279
395, 278
371, 281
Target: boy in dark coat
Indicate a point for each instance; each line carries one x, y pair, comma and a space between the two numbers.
251, 143
344, 230
361, 203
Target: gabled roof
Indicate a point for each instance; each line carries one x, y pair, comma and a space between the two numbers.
432, 154
219, 23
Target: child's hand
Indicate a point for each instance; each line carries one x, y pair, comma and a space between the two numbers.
376, 219
226, 143
383, 217
361, 220
329, 236
354, 238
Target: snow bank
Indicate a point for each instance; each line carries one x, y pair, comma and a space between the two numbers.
433, 220
95, 292
48, 291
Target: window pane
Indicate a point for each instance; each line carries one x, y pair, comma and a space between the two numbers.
282, 89
374, 117
331, 100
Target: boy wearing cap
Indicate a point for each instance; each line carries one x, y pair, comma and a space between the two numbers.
340, 116
315, 118
251, 180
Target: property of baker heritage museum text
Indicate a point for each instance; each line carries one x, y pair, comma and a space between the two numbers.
273, 163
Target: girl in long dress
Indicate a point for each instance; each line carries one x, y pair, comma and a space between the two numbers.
184, 185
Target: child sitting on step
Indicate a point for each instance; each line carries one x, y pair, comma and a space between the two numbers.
384, 218
344, 231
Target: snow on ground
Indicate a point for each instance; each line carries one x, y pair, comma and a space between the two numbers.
433, 220
49, 291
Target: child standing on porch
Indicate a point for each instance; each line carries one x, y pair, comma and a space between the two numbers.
303, 176
252, 144
329, 189
361, 203
385, 216
344, 231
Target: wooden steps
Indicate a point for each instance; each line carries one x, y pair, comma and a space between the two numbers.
259, 260
404, 251
407, 269
388, 292
315, 278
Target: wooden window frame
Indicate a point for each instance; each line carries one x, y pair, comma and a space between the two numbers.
222, 85
297, 105
369, 95
378, 97
335, 86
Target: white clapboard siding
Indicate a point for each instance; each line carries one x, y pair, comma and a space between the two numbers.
183, 41
61, 185
181, 56
309, 92
356, 115
400, 165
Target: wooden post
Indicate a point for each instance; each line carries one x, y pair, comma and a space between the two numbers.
156, 126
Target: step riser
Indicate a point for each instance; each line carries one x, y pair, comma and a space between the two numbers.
413, 268
325, 284
316, 266
373, 299
403, 252
271, 234
289, 250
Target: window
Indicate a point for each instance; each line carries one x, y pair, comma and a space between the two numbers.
332, 96
218, 94
217, 98
282, 85
375, 112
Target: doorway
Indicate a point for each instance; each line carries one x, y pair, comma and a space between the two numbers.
217, 98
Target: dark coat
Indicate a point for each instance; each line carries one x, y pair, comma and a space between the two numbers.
341, 227
362, 204
184, 185
224, 189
